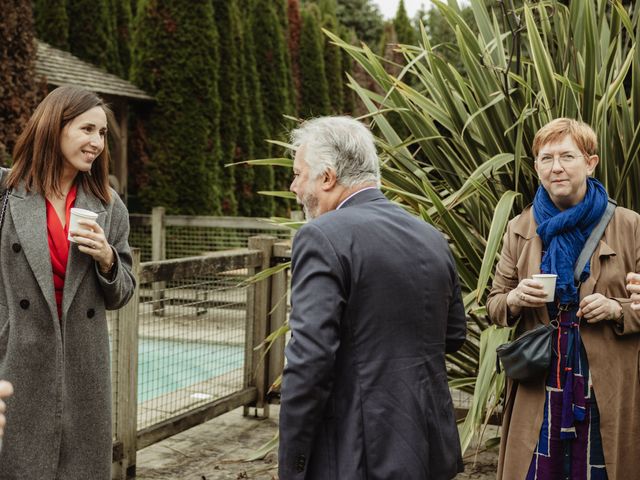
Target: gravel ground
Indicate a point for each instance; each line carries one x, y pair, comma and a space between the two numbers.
217, 450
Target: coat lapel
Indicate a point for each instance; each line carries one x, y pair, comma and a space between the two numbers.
29, 216
80, 263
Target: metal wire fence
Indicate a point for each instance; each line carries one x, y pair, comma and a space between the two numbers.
191, 344
180, 236
183, 348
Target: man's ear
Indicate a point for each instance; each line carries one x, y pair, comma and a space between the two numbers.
328, 180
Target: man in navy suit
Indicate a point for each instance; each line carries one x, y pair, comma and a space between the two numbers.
376, 304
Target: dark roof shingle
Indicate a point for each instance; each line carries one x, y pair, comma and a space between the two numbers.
63, 68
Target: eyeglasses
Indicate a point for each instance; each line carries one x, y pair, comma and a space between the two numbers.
566, 159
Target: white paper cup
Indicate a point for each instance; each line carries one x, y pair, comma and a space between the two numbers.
76, 214
548, 281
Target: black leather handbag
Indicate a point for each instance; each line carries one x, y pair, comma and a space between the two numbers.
529, 356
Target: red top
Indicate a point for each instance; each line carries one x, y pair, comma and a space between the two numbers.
59, 244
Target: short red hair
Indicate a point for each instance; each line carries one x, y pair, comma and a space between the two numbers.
581, 133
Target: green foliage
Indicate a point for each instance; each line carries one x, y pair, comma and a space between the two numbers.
52, 23
175, 58
273, 74
348, 95
255, 140
442, 37
19, 91
363, 17
314, 89
334, 70
122, 23
401, 24
227, 18
281, 9
465, 165
293, 40
91, 34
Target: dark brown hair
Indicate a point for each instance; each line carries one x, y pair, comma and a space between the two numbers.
37, 156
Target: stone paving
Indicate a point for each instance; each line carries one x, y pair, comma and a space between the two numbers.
218, 450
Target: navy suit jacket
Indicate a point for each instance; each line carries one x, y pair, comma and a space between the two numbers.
376, 303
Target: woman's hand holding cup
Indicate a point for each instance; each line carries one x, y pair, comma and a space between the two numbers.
528, 293
91, 240
633, 287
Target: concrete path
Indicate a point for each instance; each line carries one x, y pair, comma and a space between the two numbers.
218, 450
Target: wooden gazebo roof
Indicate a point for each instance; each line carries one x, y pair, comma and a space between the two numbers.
63, 68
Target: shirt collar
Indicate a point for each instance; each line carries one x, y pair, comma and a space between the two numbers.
353, 195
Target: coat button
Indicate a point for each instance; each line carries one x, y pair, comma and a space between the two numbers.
91, 313
24, 304
16, 247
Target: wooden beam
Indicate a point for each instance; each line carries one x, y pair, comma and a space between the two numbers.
183, 422
188, 267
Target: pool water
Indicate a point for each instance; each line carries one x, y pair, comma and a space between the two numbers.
165, 366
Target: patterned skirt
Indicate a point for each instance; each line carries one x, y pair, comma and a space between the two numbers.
570, 445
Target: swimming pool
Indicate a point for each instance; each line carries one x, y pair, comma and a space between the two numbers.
165, 366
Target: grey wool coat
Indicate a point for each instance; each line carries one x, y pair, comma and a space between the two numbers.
376, 304
59, 419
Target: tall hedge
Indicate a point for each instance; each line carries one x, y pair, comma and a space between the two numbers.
348, 95
293, 41
19, 91
402, 25
332, 55
52, 22
273, 73
227, 19
91, 34
314, 89
175, 59
122, 20
281, 9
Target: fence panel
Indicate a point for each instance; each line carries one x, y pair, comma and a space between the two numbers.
187, 236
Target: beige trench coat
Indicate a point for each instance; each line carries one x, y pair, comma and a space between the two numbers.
613, 351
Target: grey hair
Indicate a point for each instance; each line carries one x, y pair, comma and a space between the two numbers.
341, 144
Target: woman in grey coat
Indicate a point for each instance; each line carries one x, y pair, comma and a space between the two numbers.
54, 342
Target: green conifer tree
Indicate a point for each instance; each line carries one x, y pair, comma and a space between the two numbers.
348, 95
91, 33
314, 89
274, 75
281, 9
227, 19
122, 24
405, 32
332, 57
175, 58
52, 23
293, 39
256, 136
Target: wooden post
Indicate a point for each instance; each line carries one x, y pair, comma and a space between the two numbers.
258, 307
277, 319
126, 405
158, 252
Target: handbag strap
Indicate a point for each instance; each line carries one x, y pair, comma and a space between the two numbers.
593, 240
5, 201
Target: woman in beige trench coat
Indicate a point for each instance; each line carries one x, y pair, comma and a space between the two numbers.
602, 321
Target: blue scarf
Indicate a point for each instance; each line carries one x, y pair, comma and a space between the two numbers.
564, 234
